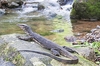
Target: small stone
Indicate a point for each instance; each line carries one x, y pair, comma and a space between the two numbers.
97, 62
70, 38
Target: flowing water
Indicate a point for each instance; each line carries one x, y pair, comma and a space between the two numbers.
29, 14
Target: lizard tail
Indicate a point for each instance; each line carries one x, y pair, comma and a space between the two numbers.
75, 61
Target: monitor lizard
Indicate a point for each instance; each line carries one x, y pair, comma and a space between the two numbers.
48, 44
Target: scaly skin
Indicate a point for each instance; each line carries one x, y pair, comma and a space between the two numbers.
46, 43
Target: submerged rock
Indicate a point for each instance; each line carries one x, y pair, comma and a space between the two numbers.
62, 2
58, 30
2, 11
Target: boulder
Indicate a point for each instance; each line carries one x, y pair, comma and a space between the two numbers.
10, 4
3, 3
62, 2
15, 4
86, 52
10, 44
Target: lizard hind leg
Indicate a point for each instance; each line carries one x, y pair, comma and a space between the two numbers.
55, 52
69, 49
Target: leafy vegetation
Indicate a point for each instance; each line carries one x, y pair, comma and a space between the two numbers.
87, 10
96, 47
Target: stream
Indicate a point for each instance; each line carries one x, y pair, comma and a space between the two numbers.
53, 22
38, 19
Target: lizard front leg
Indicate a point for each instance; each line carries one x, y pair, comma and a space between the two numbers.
55, 52
27, 38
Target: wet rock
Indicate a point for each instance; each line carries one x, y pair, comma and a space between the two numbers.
13, 5
10, 4
52, 14
20, 2
40, 7
2, 11
3, 3
62, 2
58, 30
68, 9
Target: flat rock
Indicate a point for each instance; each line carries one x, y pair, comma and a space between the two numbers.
33, 59
5, 63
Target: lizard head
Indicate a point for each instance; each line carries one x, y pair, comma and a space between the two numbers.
25, 27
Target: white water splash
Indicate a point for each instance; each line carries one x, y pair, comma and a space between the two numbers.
2, 11
34, 0
52, 8
28, 10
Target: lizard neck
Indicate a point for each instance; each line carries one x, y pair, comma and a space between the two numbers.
29, 31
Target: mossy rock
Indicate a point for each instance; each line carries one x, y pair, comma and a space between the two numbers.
10, 54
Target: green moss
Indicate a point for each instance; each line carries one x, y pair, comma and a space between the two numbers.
46, 33
66, 26
10, 54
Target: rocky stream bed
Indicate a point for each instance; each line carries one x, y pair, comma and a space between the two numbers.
88, 32
10, 44
84, 27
